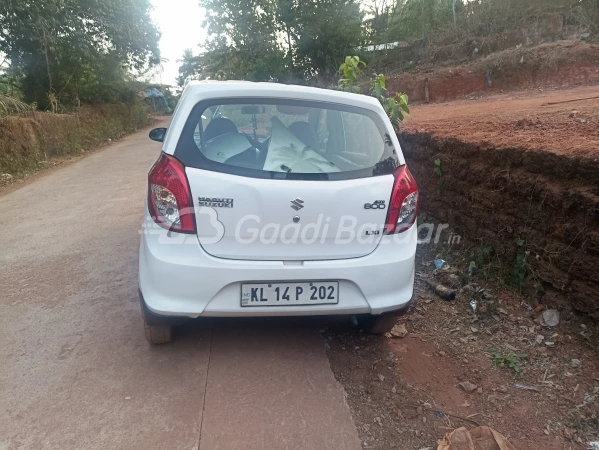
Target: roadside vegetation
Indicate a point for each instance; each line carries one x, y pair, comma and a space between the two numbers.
305, 42
71, 77
354, 80
293, 42
30, 142
64, 53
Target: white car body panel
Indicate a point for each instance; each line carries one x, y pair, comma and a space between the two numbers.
183, 280
257, 203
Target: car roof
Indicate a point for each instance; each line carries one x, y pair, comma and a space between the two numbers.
209, 89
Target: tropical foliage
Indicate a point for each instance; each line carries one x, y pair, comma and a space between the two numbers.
59, 52
304, 41
277, 39
10, 105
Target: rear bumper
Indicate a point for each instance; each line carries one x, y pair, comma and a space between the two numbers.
183, 280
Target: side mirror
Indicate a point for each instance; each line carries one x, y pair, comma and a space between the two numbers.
157, 134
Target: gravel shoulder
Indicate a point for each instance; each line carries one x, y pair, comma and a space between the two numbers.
407, 393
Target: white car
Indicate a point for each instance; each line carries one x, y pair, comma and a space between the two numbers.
277, 200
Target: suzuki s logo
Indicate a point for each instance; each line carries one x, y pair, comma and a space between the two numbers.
297, 204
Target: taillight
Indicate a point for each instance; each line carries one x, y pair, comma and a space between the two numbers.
403, 206
169, 197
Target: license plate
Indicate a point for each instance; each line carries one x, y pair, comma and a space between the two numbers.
285, 294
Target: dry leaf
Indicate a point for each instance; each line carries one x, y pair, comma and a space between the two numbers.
399, 330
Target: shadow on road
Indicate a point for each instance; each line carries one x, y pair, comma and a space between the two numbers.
267, 326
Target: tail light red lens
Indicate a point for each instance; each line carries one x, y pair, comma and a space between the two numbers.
169, 197
403, 206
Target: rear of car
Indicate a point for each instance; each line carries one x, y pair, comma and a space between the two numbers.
277, 200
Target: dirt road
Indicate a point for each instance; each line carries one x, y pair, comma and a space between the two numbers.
76, 371
560, 121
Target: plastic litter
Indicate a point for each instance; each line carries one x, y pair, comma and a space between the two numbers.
479, 438
550, 318
439, 263
594, 445
473, 305
526, 306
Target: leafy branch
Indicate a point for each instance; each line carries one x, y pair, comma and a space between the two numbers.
353, 81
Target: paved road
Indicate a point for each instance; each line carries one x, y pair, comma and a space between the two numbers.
76, 372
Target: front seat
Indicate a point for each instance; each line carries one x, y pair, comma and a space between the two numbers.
218, 127
304, 132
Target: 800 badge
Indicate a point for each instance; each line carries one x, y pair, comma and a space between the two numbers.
377, 204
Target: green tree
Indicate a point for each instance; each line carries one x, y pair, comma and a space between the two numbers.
323, 31
417, 18
379, 14
54, 46
190, 66
280, 39
244, 39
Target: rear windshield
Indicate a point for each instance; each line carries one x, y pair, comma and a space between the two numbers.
286, 139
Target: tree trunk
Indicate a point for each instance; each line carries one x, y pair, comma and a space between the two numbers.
290, 54
47, 59
454, 21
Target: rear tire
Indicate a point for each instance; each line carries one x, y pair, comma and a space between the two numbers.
158, 334
156, 328
382, 323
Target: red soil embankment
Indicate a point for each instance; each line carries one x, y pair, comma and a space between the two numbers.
560, 64
504, 179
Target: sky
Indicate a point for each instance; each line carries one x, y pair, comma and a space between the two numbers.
180, 22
